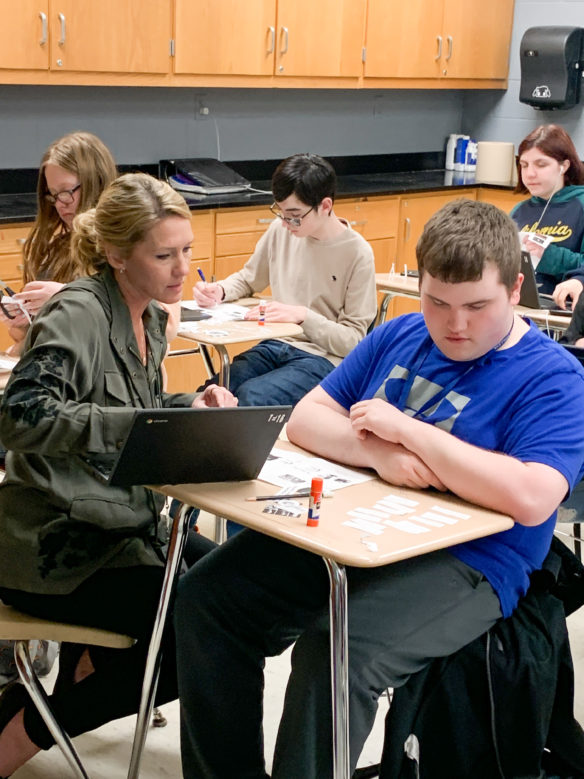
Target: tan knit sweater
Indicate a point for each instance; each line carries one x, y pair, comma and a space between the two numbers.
334, 279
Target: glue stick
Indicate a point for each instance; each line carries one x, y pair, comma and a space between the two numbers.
314, 502
262, 317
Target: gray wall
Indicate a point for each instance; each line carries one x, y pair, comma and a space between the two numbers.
497, 116
143, 125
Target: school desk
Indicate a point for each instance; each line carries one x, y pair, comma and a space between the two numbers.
394, 285
220, 334
341, 545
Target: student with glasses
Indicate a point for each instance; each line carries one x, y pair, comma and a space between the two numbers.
322, 277
74, 172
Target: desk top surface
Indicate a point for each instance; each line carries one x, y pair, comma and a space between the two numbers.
409, 536
221, 333
396, 284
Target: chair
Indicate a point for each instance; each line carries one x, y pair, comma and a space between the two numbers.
22, 628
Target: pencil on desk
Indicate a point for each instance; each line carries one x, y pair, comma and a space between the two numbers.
303, 494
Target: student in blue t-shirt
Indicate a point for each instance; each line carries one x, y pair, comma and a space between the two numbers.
452, 399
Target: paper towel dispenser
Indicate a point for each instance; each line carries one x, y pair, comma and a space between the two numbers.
551, 65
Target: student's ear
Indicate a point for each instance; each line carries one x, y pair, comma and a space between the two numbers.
564, 166
515, 293
326, 205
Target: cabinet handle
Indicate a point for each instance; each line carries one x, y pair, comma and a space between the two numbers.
439, 41
61, 40
407, 228
20, 241
272, 31
44, 28
358, 222
449, 39
284, 34
265, 221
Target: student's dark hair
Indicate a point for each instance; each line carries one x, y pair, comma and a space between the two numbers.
465, 235
308, 176
553, 141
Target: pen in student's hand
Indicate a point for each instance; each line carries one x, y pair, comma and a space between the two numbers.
303, 494
202, 275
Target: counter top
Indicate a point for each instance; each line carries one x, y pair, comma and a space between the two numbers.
22, 207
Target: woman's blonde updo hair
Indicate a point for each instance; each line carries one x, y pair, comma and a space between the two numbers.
125, 212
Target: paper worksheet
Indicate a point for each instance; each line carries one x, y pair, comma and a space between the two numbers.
295, 471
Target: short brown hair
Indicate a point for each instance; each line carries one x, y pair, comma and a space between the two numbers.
553, 141
462, 237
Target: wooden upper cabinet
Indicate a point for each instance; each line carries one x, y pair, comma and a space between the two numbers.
24, 34
110, 36
403, 38
320, 38
466, 39
479, 35
225, 37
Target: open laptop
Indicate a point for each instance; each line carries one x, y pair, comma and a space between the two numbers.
194, 445
530, 297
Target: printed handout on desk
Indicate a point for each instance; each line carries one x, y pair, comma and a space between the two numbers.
394, 511
223, 312
295, 471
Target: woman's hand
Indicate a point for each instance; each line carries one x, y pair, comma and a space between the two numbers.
535, 249
35, 294
571, 288
214, 396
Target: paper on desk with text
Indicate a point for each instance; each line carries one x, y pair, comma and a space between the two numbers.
295, 471
222, 312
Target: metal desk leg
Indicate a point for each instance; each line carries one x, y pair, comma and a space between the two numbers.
39, 697
223, 365
383, 308
220, 523
176, 547
206, 357
339, 668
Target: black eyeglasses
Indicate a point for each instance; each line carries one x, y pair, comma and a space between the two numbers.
65, 196
293, 221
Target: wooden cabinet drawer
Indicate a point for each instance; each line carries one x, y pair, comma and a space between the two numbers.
236, 243
202, 224
243, 220
11, 270
372, 218
12, 238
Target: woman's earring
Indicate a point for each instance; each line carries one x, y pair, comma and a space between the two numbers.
122, 270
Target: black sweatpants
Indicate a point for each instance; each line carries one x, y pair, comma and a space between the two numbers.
120, 599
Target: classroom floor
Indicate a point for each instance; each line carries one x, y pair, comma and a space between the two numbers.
106, 751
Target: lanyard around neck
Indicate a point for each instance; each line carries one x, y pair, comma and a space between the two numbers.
425, 349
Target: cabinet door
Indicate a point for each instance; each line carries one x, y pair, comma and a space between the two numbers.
323, 38
109, 36
477, 36
504, 199
24, 34
404, 38
414, 213
225, 37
